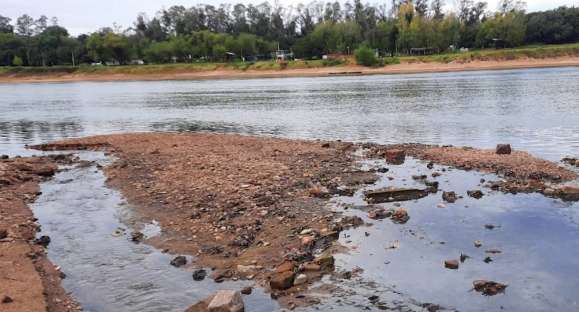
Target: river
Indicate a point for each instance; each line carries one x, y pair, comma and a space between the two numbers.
535, 110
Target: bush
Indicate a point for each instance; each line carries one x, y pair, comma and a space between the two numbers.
366, 56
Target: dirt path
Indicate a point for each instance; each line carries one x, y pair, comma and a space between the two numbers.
410, 68
28, 281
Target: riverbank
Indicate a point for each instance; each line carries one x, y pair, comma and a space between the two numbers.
406, 66
256, 208
29, 282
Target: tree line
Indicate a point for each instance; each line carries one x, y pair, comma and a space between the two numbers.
215, 33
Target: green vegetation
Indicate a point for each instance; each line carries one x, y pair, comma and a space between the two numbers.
366, 56
203, 34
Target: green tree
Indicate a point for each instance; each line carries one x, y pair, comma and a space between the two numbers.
365, 56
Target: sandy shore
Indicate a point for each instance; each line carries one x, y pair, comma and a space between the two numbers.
28, 281
256, 208
410, 68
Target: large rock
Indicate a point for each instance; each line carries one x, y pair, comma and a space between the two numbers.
179, 261
226, 301
394, 194
488, 288
449, 197
281, 281
400, 216
503, 149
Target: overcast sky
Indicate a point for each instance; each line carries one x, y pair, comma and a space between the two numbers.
84, 16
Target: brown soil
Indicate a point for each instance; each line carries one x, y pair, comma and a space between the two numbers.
26, 275
407, 68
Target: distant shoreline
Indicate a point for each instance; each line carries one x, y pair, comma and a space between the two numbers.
342, 70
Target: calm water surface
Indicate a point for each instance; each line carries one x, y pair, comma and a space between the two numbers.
535, 110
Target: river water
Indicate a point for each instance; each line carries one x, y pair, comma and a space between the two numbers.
534, 110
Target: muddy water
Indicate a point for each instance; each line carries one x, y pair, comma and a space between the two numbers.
104, 270
403, 264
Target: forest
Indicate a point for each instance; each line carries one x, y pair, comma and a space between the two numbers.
207, 33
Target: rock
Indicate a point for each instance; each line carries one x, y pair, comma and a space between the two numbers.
179, 261
4, 157
449, 197
379, 213
246, 290
488, 288
325, 262
383, 170
300, 279
400, 216
451, 264
226, 301
286, 266
503, 149
395, 156
436, 174
394, 194
199, 275
477, 243
490, 226
307, 240
577, 163
137, 237
281, 281
7, 299
3, 233
311, 267
323, 242
430, 165
475, 194
306, 232
42, 241
419, 177
347, 275
571, 161
488, 260
351, 221
245, 269
566, 193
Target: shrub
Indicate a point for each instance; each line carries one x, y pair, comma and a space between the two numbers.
365, 56
17, 61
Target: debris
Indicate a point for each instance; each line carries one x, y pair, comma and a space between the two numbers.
246, 290
489, 288
488, 260
477, 243
490, 226
463, 257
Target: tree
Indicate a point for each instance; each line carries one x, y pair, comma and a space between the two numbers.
5, 26
436, 7
366, 56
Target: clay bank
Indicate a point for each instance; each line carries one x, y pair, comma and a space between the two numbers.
164, 221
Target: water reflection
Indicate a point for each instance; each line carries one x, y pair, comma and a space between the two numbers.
534, 110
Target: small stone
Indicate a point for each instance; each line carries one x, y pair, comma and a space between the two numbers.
137, 237
326, 263
300, 279
199, 275
3, 233
7, 299
463, 257
488, 260
226, 301
400, 215
246, 290
311, 267
307, 240
477, 243
379, 213
395, 156
475, 194
490, 226
488, 288
449, 197
306, 232
451, 264
441, 205
42, 241
179, 261
503, 149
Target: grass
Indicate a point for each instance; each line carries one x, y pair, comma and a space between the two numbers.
535, 51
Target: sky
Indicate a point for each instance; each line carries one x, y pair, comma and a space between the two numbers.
85, 16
